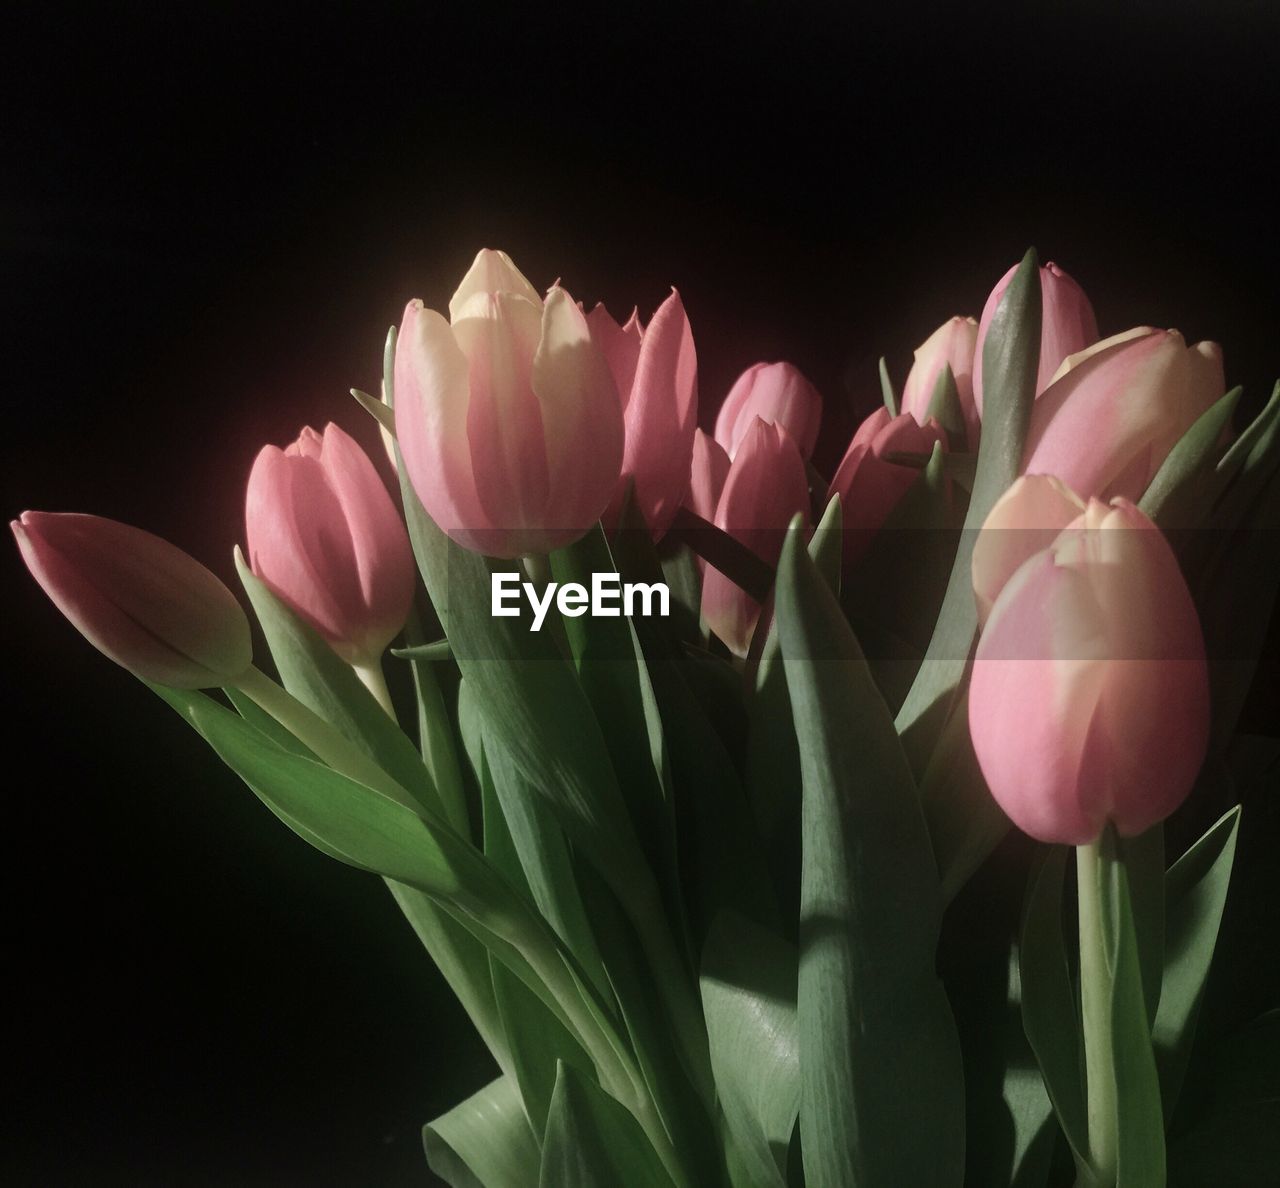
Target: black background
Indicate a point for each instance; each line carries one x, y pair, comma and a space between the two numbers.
208, 218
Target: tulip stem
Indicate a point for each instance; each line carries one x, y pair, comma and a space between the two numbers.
376, 682
1095, 1010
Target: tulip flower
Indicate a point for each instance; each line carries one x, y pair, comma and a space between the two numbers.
1025, 519
766, 486
1115, 410
950, 345
777, 393
1067, 324
1089, 701
655, 369
325, 537
869, 483
138, 599
507, 414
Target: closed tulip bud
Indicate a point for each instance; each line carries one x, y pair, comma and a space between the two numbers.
656, 371
1025, 519
1115, 410
138, 599
869, 483
778, 394
507, 414
1089, 700
766, 486
1067, 325
325, 537
950, 345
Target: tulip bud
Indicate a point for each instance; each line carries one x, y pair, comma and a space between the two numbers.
778, 394
1067, 324
869, 483
950, 345
656, 371
1089, 699
765, 488
1115, 410
325, 537
1025, 520
507, 415
138, 599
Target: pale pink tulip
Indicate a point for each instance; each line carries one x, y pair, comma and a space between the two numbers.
325, 537
950, 345
656, 372
1089, 700
1025, 520
138, 599
869, 483
1115, 410
778, 394
507, 415
1067, 325
765, 488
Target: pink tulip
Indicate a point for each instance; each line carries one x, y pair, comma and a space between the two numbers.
707, 478
507, 415
765, 488
1025, 520
656, 372
1067, 324
1115, 410
325, 537
869, 483
138, 599
951, 344
1089, 699
776, 393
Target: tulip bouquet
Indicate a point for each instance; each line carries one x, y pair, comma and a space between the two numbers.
688, 872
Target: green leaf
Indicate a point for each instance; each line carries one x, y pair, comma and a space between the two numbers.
886, 389
1049, 1014
1139, 1115
1182, 491
1196, 891
591, 1141
484, 1141
1010, 357
879, 1056
749, 1000
441, 649
327, 685
944, 406
965, 822
1144, 865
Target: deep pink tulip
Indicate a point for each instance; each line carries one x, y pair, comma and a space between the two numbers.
1067, 325
138, 599
777, 393
951, 344
507, 415
1089, 700
869, 483
656, 371
324, 535
765, 488
1115, 411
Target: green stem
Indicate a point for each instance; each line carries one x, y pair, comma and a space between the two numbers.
374, 680
1095, 1009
